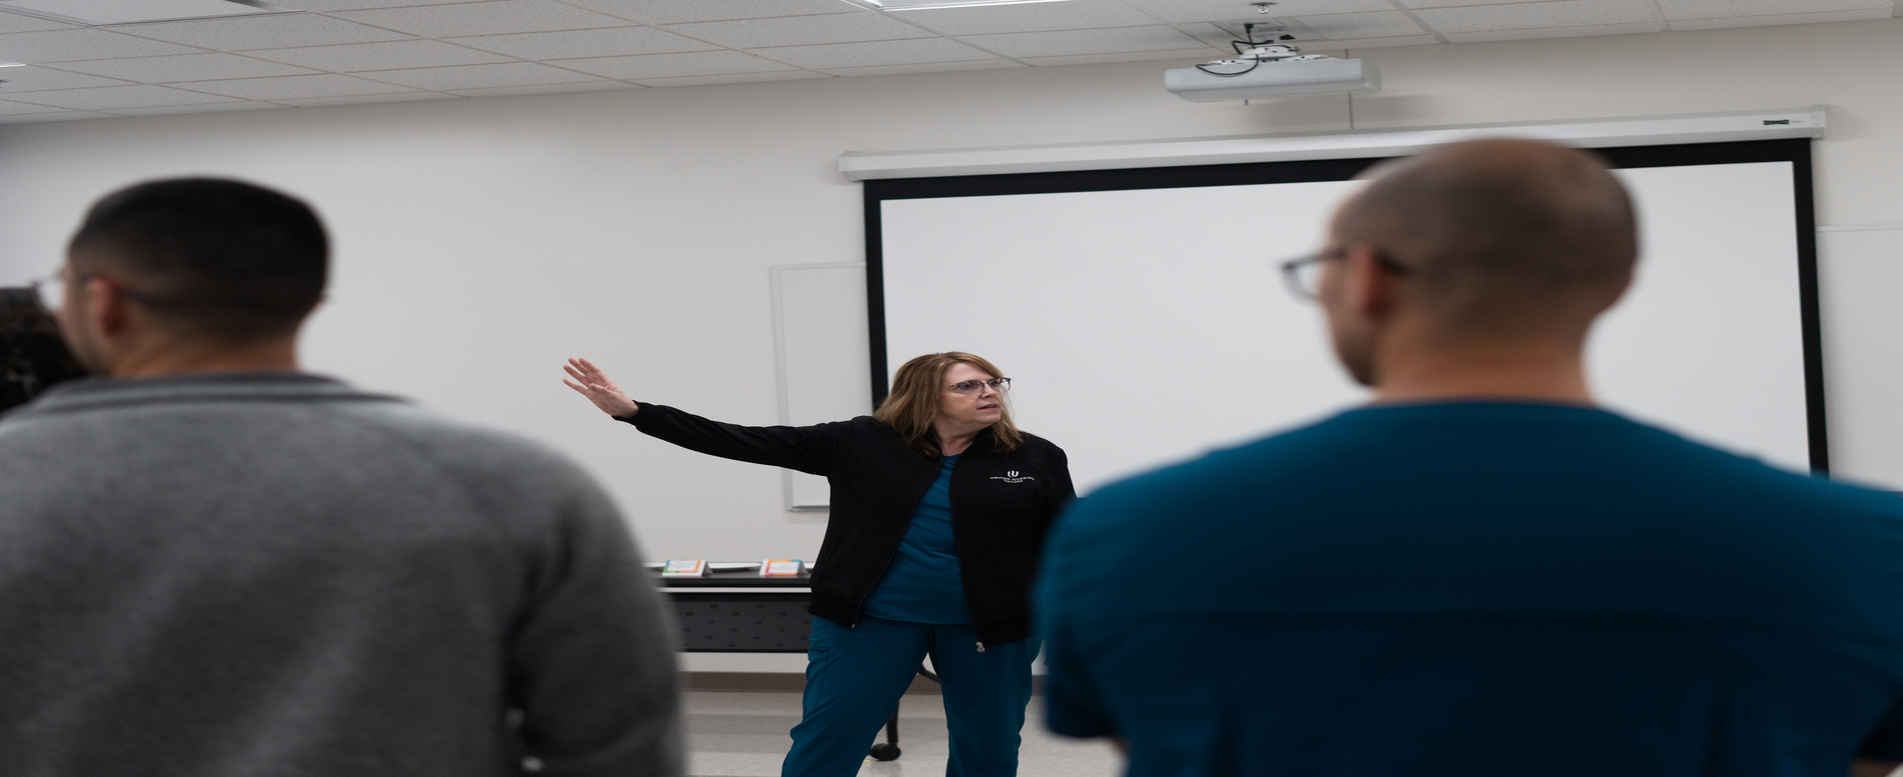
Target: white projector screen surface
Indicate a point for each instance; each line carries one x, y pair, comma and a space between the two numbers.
1145, 326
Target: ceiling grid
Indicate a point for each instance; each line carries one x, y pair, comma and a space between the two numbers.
331, 52
1414, 17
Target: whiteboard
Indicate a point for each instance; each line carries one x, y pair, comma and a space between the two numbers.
820, 344
1144, 326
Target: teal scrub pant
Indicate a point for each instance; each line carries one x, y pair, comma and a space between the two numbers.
855, 676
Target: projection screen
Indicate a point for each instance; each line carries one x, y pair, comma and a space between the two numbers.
1142, 318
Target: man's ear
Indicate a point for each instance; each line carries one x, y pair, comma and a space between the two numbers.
108, 311
1370, 288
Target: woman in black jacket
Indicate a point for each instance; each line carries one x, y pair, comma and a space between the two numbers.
939, 507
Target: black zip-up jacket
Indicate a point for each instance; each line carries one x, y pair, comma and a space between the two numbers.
1002, 505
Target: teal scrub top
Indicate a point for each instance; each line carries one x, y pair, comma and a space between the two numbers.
923, 584
1477, 589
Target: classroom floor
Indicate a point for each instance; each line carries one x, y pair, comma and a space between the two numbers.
743, 734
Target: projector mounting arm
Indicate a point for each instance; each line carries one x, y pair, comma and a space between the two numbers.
1258, 53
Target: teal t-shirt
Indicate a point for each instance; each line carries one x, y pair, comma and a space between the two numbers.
923, 584
1478, 590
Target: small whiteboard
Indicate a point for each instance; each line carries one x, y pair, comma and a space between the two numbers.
821, 345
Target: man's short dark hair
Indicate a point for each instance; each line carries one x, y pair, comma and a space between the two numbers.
209, 257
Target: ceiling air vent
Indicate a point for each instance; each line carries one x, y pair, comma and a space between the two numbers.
93, 12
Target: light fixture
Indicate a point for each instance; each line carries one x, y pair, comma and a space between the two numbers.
96, 12
4, 63
911, 5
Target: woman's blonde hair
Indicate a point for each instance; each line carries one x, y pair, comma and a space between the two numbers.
913, 403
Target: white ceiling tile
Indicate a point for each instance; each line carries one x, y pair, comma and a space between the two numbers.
499, 17
792, 38
1778, 19
103, 12
1378, 24
11, 108
1581, 31
78, 44
1220, 38
887, 52
511, 91
396, 55
691, 64
1319, 47
178, 109
1088, 42
802, 30
1187, 58
480, 76
400, 97
110, 98
1207, 33
1184, 11
1032, 17
1528, 16
682, 11
292, 87
34, 118
39, 79
745, 78
184, 67
1423, 4
936, 67
327, 6
19, 22
272, 31
575, 44
1716, 9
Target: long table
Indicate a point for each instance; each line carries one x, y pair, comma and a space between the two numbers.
742, 612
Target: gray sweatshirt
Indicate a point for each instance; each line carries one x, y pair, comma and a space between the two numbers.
275, 574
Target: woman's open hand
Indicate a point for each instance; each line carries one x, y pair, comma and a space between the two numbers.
589, 381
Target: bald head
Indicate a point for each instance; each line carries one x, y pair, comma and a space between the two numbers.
1500, 235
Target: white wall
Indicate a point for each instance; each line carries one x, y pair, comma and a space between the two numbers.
481, 241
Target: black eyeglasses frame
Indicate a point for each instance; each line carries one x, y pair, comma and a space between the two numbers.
1292, 268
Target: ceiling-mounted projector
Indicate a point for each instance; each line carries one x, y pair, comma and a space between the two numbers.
1273, 70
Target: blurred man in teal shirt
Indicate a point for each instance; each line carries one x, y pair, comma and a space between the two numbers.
1480, 573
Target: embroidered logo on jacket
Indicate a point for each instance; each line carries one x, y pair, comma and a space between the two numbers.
1013, 477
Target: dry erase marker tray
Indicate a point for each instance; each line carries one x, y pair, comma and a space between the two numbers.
704, 573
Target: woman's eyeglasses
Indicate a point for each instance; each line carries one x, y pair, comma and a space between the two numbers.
1000, 385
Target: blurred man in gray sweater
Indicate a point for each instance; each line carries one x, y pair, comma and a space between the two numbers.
212, 564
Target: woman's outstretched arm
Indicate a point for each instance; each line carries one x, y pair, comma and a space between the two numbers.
808, 449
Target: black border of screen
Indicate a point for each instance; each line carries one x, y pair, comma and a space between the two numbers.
1796, 151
